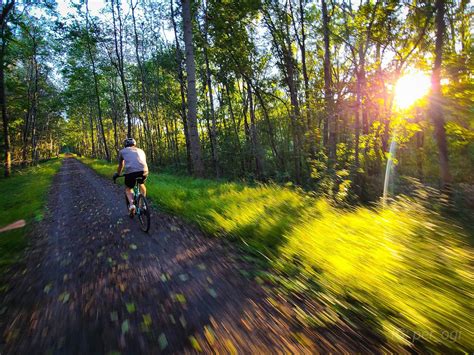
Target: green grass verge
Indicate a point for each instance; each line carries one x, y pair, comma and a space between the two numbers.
23, 197
403, 273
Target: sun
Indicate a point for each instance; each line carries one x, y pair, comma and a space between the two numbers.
411, 88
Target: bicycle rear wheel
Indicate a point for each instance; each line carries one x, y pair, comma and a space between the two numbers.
144, 215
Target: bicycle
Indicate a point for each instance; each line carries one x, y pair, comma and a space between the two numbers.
142, 206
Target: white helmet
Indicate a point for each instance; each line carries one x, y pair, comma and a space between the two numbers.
129, 142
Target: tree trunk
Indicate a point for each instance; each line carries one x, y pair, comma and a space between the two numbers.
3, 101
236, 127
26, 126
91, 121
436, 106
307, 107
96, 85
329, 139
254, 137
196, 155
114, 113
271, 132
179, 65
215, 158
146, 123
119, 65
35, 108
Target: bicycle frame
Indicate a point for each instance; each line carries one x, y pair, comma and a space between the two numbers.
142, 213
136, 193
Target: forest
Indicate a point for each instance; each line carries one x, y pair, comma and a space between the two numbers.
310, 186
287, 91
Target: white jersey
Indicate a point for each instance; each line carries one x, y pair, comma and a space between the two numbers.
135, 160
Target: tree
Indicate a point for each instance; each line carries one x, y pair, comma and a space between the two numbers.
436, 103
6, 10
96, 84
195, 146
330, 119
119, 62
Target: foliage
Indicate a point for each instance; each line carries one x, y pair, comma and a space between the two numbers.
263, 62
25, 196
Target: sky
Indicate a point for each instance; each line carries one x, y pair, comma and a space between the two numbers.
95, 6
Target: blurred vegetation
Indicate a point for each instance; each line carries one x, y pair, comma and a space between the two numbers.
24, 196
403, 273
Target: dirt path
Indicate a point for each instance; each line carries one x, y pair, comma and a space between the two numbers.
94, 283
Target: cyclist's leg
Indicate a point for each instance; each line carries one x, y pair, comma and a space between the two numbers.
141, 185
143, 189
129, 193
129, 184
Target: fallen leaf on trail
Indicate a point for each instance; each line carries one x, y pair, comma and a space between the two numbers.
133, 247
147, 319
131, 307
47, 288
173, 321
162, 341
180, 298
125, 326
174, 228
64, 297
183, 321
302, 339
195, 343
212, 292
272, 301
183, 277
163, 278
99, 254
201, 266
122, 287
209, 334
124, 256
230, 347
113, 316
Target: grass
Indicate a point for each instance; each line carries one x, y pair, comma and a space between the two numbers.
403, 273
23, 197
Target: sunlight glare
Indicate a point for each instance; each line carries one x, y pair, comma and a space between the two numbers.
411, 88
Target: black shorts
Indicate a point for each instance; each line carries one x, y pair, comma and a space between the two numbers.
131, 178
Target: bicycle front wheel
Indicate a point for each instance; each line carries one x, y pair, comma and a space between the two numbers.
144, 214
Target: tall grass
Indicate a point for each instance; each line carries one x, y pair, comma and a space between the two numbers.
403, 273
23, 197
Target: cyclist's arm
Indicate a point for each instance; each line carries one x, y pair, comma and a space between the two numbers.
120, 167
120, 164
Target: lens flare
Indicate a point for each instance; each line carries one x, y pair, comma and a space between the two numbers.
411, 88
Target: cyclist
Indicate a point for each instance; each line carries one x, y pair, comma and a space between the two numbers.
134, 160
